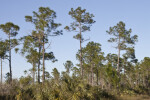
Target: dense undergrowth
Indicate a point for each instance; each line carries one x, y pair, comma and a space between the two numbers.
66, 88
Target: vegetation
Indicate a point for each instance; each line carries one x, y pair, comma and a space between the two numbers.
96, 77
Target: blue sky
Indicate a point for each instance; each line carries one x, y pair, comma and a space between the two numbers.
135, 13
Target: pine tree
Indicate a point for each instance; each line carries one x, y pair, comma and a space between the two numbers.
83, 22
11, 30
3, 50
45, 27
122, 38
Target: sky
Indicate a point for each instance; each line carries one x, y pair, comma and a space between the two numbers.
134, 13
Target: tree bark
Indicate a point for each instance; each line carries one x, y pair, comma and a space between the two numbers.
10, 59
97, 77
143, 80
43, 59
81, 51
118, 66
92, 75
33, 72
39, 63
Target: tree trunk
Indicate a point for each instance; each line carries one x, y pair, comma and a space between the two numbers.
43, 60
1, 72
92, 75
143, 80
97, 77
39, 63
81, 52
147, 79
33, 72
10, 59
118, 67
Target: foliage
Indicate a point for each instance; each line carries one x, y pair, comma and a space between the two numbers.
122, 37
82, 22
94, 78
